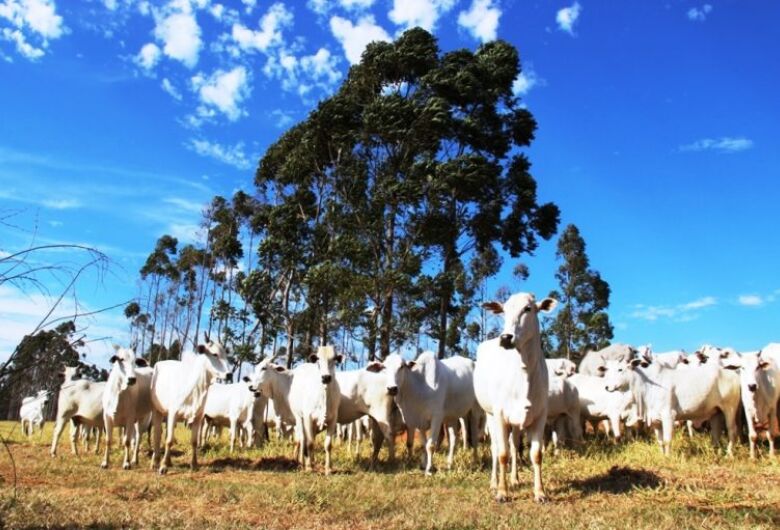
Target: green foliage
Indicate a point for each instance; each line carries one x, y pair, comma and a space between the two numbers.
582, 322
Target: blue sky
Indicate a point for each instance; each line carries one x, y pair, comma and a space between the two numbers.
657, 136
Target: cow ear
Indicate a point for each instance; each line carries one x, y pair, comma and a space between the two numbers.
375, 367
201, 348
636, 362
561, 373
113, 359
547, 305
245, 379
339, 358
313, 358
140, 361
206, 336
763, 365
495, 307
410, 364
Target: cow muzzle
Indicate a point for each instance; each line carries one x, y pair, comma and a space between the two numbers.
392, 390
326, 379
752, 387
505, 341
130, 381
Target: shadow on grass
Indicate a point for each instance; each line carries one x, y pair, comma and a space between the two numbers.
618, 480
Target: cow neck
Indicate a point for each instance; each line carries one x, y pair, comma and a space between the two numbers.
280, 387
533, 357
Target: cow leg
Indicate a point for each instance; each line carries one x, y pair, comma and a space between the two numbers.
452, 438
770, 437
515, 441
430, 443
500, 433
614, 422
97, 439
136, 442
109, 423
194, 435
753, 438
493, 453
689, 426
473, 435
233, 429
409, 442
537, 437
329, 434
380, 432
716, 429
128, 436
156, 435
56, 435
308, 443
667, 424
170, 428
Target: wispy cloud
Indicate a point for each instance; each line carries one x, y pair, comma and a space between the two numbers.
750, 300
185, 204
699, 14
232, 155
679, 313
725, 144
527, 80
282, 118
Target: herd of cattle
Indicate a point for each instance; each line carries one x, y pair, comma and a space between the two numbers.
510, 390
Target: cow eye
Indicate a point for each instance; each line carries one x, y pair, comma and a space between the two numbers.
527, 309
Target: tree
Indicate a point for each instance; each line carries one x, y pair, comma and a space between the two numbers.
582, 322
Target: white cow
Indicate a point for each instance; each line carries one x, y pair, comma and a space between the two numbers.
80, 402
598, 401
274, 382
179, 390
760, 380
126, 402
314, 401
364, 392
431, 393
233, 406
593, 360
563, 410
561, 367
31, 412
511, 385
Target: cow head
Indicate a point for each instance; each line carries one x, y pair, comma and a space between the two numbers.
751, 367
326, 359
123, 366
564, 368
260, 378
216, 354
617, 374
521, 323
394, 368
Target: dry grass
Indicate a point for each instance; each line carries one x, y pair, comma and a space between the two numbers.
630, 486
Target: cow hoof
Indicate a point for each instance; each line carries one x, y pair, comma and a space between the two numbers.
104, 465
163, 470
540, 499
126, 466
501, 497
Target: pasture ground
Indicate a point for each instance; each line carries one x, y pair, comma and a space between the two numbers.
600, 486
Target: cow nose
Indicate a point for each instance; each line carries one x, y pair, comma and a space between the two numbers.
392, 390
752, 387
325, 379
506, 341
229, 378
130, 381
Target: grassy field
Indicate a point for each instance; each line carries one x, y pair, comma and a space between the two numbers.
602, 486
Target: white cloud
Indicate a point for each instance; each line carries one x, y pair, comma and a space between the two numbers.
323, 7
750, 300
149, 56
525, 81
170, 89
61, 204
277, 18
282, 118
679, 313
699, 14
303, 74
55, 224
567, 17
178, 29
185, 204
35, 20
231, 155
223, 91
481, 20
355, 37
725, 144
422, 13
185, 232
